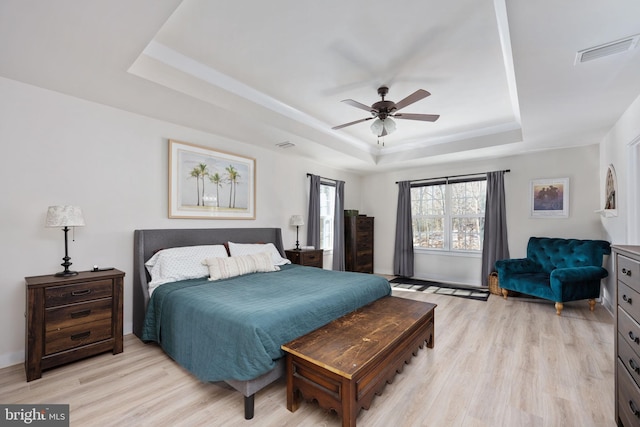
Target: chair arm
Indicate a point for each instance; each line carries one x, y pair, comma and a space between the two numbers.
561, 277
578, 274
516, 265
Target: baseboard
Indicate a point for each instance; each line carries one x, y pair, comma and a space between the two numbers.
608, 306
10, 359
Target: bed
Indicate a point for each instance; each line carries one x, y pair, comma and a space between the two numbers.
263, 310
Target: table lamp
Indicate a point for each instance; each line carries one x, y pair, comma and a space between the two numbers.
65, 216
297, 220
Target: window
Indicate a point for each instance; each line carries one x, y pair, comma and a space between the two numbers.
449, 216
327, 209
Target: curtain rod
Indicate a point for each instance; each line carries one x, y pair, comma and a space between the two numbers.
322, 177
453, 176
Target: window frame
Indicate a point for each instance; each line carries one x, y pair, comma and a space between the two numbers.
331, 220
448, 217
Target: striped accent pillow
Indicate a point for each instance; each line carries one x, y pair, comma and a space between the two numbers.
223, 268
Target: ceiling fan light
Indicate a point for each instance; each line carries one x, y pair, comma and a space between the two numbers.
376, 127
389, 125
383, 127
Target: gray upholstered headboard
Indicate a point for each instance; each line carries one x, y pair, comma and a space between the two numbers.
148, 242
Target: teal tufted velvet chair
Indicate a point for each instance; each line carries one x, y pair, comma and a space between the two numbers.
556, 269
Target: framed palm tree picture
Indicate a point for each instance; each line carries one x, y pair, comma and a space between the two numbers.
210, 184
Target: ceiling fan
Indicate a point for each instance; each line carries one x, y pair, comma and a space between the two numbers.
383, 110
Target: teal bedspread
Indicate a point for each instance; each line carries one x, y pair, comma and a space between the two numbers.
233, 328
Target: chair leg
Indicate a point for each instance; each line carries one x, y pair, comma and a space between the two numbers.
592, 304
559, 307
504, 293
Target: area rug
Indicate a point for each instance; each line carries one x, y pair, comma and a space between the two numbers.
415, 285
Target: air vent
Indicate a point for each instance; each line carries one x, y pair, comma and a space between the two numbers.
607, 49
285, 144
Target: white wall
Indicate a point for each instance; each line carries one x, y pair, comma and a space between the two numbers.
62, 150
578, 164
616, 150
113, 164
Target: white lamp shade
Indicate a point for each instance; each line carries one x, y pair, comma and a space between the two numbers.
383, 127
64, 216
296, 220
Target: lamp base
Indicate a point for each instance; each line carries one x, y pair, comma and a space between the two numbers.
66, 273
66, 264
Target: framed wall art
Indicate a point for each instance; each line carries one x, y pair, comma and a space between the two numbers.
549, 198
210, 184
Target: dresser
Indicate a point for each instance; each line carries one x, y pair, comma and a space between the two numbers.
70, 318
307, 257
627, 342
358, 243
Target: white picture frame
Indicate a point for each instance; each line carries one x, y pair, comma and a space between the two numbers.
549, 198
210, 184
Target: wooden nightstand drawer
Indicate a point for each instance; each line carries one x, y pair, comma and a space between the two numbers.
62, 295
77, 335
84, 312
72, 317
313, 259
306, 257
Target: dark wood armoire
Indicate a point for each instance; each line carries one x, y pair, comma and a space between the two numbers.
358, 243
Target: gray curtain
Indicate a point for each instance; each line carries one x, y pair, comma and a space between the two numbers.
313, 222
496, 245
338, 228
403, 253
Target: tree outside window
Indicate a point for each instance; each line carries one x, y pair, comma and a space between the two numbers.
327, 209
449, 217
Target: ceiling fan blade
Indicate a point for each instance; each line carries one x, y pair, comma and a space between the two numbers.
357, 105
352, 123
414, 97
421, 117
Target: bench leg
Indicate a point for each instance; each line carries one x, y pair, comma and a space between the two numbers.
505, 293
592, 304
559, 307
293, 396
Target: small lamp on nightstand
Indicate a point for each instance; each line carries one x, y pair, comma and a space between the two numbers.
296, 220
65, 216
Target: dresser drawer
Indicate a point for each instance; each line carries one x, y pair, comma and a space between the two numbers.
77, 292
628, 271
629, 300
76, 314
629, 330
77, 335
365, 240
629, 358
364, 224
628, 398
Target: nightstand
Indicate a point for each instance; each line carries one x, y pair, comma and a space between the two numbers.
70, 318
308, 257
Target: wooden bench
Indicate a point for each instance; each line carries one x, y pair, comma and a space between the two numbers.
345, 363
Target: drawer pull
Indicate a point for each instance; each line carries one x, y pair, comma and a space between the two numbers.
80, 336
85, 313
80, 293
626, 272
627, 299
634, 409
633, 366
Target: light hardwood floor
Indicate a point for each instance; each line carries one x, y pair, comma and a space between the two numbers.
495, 363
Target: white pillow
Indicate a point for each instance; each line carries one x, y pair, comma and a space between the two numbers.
173, 264
223, 268
239, 249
